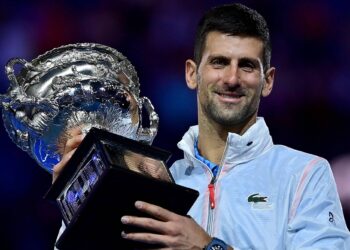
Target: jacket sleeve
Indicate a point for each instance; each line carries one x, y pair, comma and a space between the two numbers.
317, 220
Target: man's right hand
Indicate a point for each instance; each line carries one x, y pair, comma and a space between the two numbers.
75, 138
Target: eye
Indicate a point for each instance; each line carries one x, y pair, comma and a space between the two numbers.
219, 62
247, 65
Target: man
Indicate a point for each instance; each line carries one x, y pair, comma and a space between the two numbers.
253, 194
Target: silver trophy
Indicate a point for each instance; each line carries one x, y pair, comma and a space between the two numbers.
78, 85
95, 88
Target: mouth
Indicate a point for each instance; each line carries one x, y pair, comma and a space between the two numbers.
230, 97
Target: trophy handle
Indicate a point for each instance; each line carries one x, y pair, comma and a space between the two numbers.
148, 134
10, 71
5, 100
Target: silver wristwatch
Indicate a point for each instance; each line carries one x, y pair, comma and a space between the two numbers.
216, 244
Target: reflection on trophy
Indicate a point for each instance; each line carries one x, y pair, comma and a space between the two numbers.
95, 88
79, 85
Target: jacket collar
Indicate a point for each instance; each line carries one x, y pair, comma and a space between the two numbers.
239, 148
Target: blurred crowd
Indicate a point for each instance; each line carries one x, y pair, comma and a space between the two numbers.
309, 108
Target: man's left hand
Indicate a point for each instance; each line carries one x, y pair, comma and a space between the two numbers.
171, 230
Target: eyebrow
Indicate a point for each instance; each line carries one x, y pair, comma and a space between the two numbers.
250, 59
211, 57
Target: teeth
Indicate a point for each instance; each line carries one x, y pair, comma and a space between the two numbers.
230, 96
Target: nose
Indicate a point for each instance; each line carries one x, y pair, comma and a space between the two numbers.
231, 76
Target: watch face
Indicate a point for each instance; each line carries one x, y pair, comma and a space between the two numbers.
216, 247
216, 244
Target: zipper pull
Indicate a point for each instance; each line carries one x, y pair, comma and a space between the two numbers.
212, 193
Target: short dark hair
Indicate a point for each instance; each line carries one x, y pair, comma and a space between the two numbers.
236, 20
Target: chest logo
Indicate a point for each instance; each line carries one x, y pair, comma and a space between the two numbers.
255, 198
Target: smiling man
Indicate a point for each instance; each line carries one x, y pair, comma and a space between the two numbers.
253, 194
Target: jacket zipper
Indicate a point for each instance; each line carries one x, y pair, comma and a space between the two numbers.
211, 187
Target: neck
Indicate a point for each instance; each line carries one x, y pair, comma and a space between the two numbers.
212, 137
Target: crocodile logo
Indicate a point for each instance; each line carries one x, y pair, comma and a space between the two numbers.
255, 198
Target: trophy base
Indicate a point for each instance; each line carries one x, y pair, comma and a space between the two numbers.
94, 218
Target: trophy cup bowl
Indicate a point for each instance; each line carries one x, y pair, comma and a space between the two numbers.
78, 85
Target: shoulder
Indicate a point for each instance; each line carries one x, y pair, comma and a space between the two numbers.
295, 167
297, 160
293, 153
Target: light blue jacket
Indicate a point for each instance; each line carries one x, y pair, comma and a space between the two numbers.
266, 196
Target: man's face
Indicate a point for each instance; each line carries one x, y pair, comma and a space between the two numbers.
230, 79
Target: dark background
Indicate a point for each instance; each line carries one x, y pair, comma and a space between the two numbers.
308, 109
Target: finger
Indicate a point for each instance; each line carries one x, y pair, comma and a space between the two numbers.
74, 131
155, 211
57, 169
145, 223
148, 238
73, 143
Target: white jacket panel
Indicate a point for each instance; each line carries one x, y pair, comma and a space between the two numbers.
266, 196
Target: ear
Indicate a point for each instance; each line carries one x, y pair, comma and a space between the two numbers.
268, 81
191, 74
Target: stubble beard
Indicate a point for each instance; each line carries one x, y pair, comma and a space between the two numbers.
228, 115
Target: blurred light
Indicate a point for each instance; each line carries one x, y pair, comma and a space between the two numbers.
341, 170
